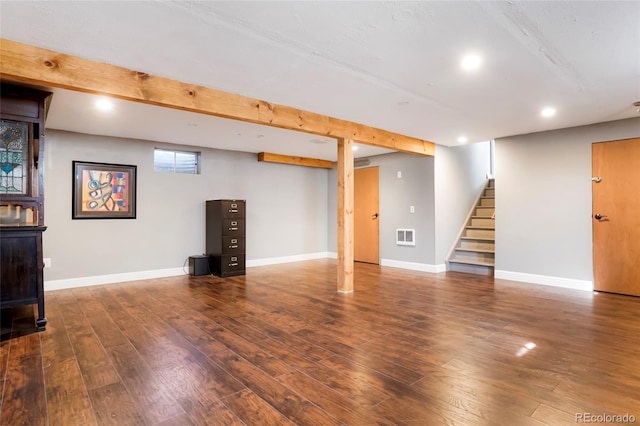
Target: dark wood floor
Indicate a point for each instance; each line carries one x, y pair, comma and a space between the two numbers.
280, 346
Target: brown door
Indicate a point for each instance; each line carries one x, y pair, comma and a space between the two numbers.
616, 216
366, 233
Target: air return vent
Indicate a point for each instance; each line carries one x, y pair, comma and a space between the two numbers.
361, 162
406, 237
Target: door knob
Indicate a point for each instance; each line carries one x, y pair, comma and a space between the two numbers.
374, 216
598, 216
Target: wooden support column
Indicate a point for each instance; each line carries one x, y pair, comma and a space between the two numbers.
345, 215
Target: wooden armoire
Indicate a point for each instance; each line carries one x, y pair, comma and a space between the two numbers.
23, 112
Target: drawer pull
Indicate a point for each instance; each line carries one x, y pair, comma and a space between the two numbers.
234, 259
233, 229
233, 264
233, 210
234, 241
234, 206
234, 223
233, 246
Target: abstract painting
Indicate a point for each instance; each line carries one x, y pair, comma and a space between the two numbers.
103, 191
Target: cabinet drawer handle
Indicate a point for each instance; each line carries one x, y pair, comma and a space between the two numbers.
234, 246
233, 210
234, 223
233, 229
234, 206
234, 259
233, 264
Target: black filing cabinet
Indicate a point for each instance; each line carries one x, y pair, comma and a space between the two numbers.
225, 223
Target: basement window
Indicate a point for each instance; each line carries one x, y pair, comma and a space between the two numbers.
166, 160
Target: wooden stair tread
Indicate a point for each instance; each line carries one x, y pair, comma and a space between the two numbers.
481, 217
474, 250
480, 227
472, 262
478, 238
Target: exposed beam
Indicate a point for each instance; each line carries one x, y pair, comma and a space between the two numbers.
29, 64
345, 215
296, 161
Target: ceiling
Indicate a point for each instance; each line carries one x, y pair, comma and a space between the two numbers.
391, 65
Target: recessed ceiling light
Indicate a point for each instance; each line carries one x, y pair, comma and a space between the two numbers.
548, 112
104, 104
463, 139
471, 62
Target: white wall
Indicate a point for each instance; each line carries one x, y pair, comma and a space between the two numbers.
460, 175
286, 208
543, 203
415, 188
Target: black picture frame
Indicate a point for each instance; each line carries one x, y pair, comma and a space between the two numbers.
103, 191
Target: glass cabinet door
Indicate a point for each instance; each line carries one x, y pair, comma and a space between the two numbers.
14, 158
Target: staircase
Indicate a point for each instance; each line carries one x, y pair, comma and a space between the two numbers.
474, 252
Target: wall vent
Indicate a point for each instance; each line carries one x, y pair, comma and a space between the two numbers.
406, 237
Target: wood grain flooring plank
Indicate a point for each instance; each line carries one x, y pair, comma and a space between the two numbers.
253, 410
67, 398
179, 420
113, 406
279, 345
4, 360
107, 331
24, 401
149, 394
343, 408
56, 346
347, 383
552, 416
25, 342
302, 346
95, 366
208, 413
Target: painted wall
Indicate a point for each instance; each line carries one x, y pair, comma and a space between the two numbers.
460, 175
543, 201
414, 188
286, 208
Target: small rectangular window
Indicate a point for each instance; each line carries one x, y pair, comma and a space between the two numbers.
165, 160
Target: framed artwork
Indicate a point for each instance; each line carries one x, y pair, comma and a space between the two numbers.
103, 191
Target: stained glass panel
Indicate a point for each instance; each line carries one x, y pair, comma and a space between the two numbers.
14, 152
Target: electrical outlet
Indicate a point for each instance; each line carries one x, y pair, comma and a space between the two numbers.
47, 262
399, 174
412, 209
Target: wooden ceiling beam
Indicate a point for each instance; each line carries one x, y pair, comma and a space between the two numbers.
29, 64
269, 157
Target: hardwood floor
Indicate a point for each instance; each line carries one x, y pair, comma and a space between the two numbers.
280, 346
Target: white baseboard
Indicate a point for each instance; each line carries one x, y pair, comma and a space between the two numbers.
161, 273
424, 267
111, 278
544, 280
286, 259
50, 285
